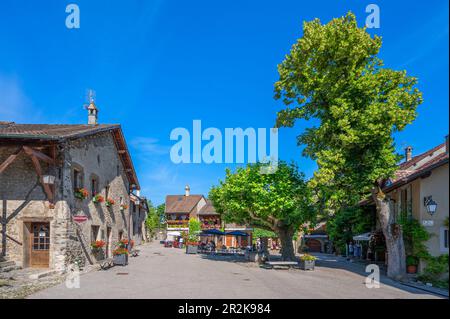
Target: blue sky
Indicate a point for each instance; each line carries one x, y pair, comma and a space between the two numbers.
158, 65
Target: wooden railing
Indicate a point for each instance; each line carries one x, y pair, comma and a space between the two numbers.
177, 223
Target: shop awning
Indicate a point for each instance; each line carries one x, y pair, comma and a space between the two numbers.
212, 232
362, 237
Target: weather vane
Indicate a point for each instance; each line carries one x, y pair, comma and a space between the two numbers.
90, 97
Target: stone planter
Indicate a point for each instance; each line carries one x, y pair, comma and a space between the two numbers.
191, 249
307, 264
121, 260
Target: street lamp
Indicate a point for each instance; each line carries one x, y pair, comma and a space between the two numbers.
430, 205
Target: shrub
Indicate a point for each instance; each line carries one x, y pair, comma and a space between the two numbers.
412, 261
307, 257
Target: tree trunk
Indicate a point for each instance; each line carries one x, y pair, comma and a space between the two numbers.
287, 249
393, 236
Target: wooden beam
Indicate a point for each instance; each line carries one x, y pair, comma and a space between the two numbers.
39, 155
9, 160
37, 167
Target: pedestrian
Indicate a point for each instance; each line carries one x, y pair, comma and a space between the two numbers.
350, 250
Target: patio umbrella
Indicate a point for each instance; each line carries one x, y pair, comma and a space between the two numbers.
237, 233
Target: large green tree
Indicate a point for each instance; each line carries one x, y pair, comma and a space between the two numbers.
333, 75
279, 202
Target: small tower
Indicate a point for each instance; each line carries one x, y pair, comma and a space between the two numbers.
92, 110
187, 190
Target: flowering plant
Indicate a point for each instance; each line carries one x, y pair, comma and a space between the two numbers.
110, 202
81, 193
307, 257
120, 251
98, 244
124, 243
98, 199
123, 206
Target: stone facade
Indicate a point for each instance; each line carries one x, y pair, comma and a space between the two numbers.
23, 201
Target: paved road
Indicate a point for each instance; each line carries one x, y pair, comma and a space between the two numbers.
169, 273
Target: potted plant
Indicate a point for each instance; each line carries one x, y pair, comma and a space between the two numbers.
123, 206
193, 238
97, 249
110, 202
411, 264
307, 262
81, 193
120, 256
98, 199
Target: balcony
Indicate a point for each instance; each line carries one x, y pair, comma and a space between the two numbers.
177, 224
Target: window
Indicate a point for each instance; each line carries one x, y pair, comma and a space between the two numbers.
94, 185
117, 170
120, 235
107, 191
444, 239
77, 178
95, 230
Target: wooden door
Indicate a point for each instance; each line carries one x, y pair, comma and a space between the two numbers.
40, 245
314, 245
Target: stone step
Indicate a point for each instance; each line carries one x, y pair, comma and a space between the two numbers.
5, 264
10, 268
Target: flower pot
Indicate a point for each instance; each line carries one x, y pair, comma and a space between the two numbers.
411, 269
307, 264
191, 249
121, 260
98, 253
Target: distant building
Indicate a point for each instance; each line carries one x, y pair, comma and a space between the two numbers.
45, 173
181, 208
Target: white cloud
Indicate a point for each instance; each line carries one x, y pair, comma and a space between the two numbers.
14, 104
149, 146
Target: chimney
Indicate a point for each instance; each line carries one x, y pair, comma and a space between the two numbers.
408, 153
92, 114
187, 190
446, 144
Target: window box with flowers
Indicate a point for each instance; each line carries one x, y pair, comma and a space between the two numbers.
110, 202
120, 256
307, 262
98, 199
97, 249
81, 193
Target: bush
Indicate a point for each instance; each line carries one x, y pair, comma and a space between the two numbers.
434, 271
307, 257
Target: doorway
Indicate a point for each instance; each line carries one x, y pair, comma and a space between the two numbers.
40, 245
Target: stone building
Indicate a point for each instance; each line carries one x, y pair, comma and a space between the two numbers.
45, 171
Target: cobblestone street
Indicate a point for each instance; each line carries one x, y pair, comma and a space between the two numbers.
169, 273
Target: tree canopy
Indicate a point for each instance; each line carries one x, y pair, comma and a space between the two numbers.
278, 202
333, 74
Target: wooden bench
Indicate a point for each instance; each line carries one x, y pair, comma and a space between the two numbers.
280, 264
106, 264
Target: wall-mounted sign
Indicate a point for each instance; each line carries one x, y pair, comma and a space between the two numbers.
427, 222
80, 217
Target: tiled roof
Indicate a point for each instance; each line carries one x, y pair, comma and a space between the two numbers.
11, 130
407, 172
181, 203
208, 209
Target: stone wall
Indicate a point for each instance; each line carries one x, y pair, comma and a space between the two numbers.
22, 199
